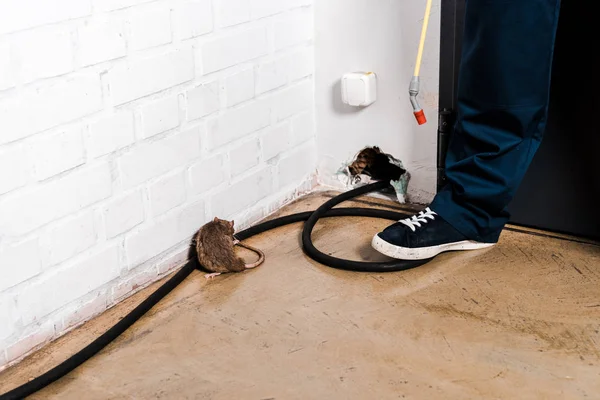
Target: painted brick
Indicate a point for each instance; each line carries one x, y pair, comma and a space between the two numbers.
270, 75
177, 259
160, 116
31, 209
194, 18
239, 87
303, 127
57, 152
150, 26
43, 53
293, 100
264, 8
41, 334
234, 49
207, 174
111, 133
232, 12
300, 64
65, 239
13, 159
52, 105
150, 160
101, 40
134, 284
202, 100
123, 213
238, 122
242, 194
143, 77
66, 285
19, 263
167, 193
111, 5
23, 14
275, 141
294, 28
299, 3
82, 312
8, 77
9, 316
244, 157
174, 228
295, 166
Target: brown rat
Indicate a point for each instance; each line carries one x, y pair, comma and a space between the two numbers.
214, 249
375, 163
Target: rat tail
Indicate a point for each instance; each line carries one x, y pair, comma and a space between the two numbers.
261, 255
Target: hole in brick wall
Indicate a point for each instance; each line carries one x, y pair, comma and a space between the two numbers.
372, 164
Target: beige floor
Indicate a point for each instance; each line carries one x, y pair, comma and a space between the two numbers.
518, 321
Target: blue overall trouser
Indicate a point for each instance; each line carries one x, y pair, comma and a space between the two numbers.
503, 95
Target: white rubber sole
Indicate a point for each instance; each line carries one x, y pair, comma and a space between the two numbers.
422, 253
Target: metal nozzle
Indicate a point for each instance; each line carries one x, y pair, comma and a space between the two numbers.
413, 91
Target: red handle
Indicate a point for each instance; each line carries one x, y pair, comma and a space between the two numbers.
420, 116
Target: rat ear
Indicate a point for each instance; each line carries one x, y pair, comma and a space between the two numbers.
216, 219
231, 223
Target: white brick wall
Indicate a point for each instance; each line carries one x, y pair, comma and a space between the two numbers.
124, 126
275, 141
238, 122
151, 26
22, 261
167, 193
110, 133
57, 152
239, 87
43, 52
13, 159
123, 213
235, 48
80, 91
202, 100
102, 39
132, 80
160, 116
67, 238
245, 156
193, 18
232, 12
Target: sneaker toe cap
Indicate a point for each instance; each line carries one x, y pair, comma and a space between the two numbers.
395, 234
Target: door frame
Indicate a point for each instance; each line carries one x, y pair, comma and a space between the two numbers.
451, 28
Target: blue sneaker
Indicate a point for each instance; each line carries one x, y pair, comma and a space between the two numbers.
422, 236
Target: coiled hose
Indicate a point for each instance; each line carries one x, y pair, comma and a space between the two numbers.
311, 217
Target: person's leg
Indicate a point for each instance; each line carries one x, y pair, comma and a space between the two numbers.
503, 94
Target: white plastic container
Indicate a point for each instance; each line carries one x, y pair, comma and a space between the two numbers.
359, 89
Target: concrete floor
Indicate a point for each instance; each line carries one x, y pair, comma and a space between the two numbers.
519, 320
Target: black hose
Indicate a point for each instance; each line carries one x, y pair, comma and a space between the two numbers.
311, 218
315, 254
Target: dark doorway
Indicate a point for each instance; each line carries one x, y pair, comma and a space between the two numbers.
561, 189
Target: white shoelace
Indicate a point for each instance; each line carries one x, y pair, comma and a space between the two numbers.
416, 220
